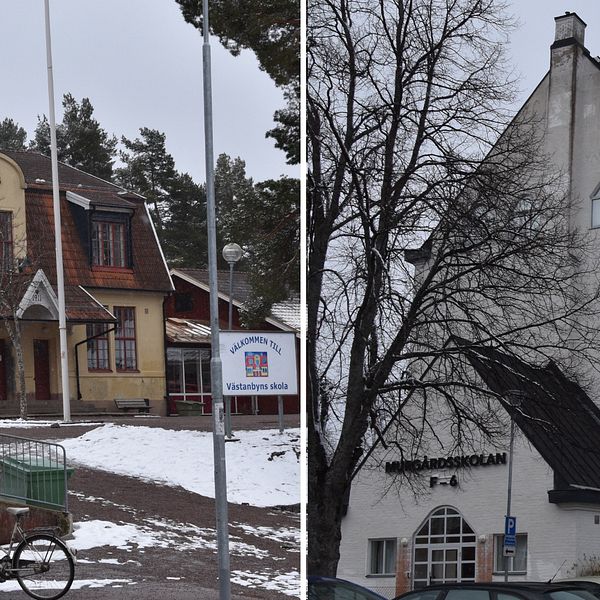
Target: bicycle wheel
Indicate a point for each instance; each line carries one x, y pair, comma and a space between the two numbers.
44, 566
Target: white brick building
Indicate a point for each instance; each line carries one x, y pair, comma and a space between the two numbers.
453, 528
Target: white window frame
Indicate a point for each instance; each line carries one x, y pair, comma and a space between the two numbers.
499, 558
595, 216
390, 545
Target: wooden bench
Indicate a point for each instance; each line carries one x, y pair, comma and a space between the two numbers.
126, 404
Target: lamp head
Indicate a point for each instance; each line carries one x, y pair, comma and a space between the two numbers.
232, 253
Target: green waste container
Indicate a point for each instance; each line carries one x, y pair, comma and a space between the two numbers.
38, 481
189, 408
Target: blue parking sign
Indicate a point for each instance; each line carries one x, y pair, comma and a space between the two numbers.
510, 526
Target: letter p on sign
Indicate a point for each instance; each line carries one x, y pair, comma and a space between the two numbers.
510, 526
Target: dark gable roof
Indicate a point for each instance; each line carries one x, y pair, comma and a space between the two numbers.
555, 415
37, 170
287, 311
240, 290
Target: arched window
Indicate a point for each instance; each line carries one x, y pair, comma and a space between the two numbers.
444, 549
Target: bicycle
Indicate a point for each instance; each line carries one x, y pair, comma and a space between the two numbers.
41, 562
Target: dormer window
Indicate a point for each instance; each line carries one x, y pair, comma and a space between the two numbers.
6, 241
110, 240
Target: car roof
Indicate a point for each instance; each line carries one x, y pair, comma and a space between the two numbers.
523, 586
326, 579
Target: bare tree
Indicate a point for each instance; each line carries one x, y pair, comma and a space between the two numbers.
410, 146
19, 260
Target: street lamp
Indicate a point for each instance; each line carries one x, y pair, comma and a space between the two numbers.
232, 253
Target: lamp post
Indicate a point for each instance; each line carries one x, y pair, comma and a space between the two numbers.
514, 398
216, 365
232, 253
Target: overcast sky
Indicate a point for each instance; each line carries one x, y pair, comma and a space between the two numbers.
140, 65
530, 43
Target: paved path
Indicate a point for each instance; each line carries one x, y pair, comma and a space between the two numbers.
183, 564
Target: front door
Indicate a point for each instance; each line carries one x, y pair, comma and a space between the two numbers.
444, 549
41, 367
2, 370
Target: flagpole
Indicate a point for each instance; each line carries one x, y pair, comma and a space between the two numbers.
60, 282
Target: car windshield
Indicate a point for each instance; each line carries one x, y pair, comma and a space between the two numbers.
338, 590
571, 595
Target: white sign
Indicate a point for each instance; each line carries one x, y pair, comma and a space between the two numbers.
258, 363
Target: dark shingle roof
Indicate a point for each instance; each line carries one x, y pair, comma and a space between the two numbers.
287, 312
555, 415
241, 288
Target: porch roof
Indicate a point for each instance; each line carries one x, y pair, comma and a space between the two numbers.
82, 307
187, 331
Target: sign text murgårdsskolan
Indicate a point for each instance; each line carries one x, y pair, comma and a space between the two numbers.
450, 462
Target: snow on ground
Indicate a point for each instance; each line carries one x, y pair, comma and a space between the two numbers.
262, 468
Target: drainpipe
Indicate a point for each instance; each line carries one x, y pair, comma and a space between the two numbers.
79, 396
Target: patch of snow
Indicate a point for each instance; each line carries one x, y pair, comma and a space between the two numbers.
13, 586
285, 583
274, 478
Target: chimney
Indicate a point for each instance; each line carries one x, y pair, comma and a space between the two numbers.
569, 28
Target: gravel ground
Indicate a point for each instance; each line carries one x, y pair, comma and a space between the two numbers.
178, 569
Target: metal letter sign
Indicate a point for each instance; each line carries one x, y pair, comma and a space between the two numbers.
510, 536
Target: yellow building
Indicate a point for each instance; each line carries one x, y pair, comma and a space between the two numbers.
116, 280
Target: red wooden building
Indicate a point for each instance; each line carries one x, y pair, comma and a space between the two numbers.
187, 329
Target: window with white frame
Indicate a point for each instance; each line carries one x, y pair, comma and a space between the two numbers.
97, 347
6, 241
516, 563
110, 240
596, 210
382, 557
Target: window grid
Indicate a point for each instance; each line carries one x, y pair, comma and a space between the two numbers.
516, 563
6, 241
109, 248
97, 348
125, 340
189, 372
382, 557
444, 549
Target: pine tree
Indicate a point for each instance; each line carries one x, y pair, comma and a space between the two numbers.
271, 29
184, 239
263, 219
287, 131
87, 146
150, 171
80, 140
12, 136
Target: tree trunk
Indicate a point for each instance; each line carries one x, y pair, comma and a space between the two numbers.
14, 332
324, 513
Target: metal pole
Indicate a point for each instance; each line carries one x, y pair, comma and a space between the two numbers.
280, 412
509, 491
60, 282
228, 398
215, 362
514, 398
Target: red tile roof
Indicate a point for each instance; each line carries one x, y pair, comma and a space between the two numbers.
148, 272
